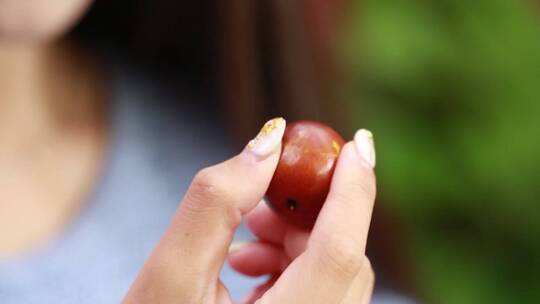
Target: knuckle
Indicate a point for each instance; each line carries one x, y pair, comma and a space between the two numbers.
355, 193
361, 188
342, 256
207, 187
208, 193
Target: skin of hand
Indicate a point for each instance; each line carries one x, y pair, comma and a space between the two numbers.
326, 265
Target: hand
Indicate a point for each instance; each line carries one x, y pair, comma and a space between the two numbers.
326, 266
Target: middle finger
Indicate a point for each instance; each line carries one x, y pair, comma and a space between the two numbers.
266, 225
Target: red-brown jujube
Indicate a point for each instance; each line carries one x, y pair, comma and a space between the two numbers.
302, 179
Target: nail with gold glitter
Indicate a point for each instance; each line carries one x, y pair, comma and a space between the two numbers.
268, 139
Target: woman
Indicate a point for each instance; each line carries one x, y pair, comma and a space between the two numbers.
91, 172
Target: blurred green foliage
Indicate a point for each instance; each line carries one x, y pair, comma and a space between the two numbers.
451, 89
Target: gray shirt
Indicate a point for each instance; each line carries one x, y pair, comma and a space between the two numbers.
156, 146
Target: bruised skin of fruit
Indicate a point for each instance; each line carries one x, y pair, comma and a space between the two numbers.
302, 179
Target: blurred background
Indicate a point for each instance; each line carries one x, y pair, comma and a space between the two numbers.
450, 89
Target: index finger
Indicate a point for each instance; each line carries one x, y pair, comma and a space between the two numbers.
266, 225
193, 249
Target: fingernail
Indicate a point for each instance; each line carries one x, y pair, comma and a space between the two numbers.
268, 139
363, 140
236, 246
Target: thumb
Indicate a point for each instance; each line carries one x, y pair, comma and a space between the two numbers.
194, 247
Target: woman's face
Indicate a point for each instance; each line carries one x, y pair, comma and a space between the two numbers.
38, 20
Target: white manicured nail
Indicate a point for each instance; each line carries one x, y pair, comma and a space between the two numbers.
363, 140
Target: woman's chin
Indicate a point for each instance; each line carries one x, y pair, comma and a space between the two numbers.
38, 22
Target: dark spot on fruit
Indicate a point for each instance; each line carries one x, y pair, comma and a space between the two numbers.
292, 204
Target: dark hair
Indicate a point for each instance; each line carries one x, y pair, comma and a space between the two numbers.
175, 37
258, 54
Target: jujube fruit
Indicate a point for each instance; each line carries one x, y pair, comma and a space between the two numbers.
302, 179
